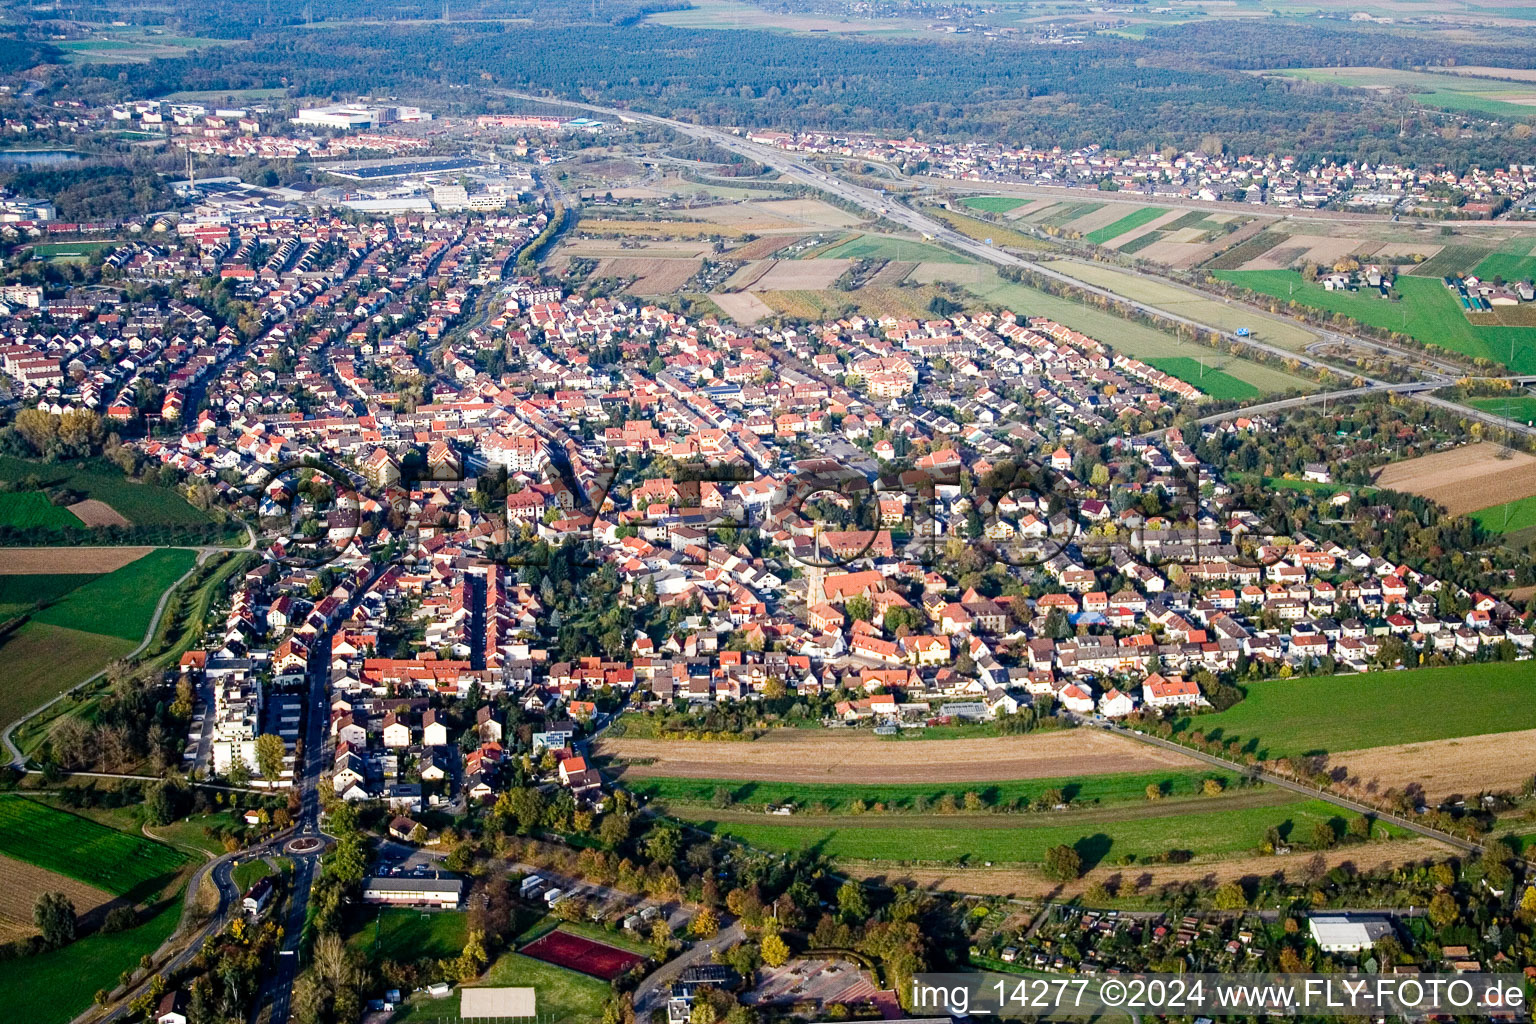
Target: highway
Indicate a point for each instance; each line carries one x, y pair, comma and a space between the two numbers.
793, 167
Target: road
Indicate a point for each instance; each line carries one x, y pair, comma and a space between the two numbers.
792, 167
221, 871
279, 987
654, 988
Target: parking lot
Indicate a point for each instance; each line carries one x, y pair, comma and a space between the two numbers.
822, 982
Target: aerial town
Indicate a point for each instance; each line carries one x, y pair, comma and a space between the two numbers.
470, 555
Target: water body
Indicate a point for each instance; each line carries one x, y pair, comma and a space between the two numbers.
38, 157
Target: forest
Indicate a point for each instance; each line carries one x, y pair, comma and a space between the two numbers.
1179, 86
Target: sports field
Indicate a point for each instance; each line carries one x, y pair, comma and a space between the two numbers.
1427, 311
579, 953
562, 995
117, 862
1206, 377
835, 797
405, 935
121, 603
1286, 717
1202, 828
1130, 222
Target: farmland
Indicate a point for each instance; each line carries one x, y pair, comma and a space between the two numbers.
1448, 92
1427, 311
889, 247
121, 603
1469, 764
121, 864
995, 204
1174, 298
1287, 717
39, 661
54, 987
68, 561
1130, 222
1508, 517
1515, 260
1125, 336
837, 797
20, 883
1466, 478
20, 594
983, 230
1207, 378
1209, 828
857, 757
28, 509
140, 503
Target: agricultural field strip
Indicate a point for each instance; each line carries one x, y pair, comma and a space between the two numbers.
117, 862
1465, 479
846, 758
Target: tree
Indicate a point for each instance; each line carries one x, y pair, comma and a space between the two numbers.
705, 924
1528, 902
54, 915
1063, 863
1230, 897
1154, 791
1443, 909
775, 950
851, 904
269, 756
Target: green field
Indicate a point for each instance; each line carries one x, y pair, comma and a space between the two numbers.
1286, 717
22, 592
1122, 335
39, 661
1204, 828
1509, 517
1447, 92
250, 872
1206, 377
28, 509
1088, 789
1130, 222
1518, 406
1062, 214
885, 247
562, 995
141, 504
116, 862
55, 987
1202, 308
1515, 260
121, 603
405, 936
995, 204
1427, 311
